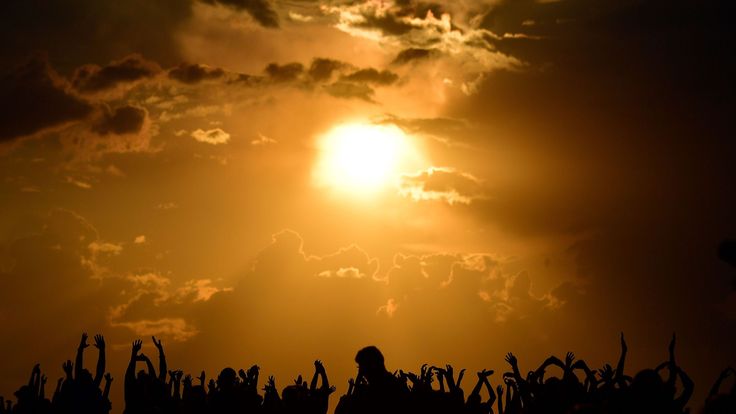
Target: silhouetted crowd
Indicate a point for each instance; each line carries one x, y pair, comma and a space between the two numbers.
375, 390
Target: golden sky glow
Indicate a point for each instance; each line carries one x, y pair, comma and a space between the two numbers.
447, 180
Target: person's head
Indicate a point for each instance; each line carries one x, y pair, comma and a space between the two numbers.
227, 379
370, 363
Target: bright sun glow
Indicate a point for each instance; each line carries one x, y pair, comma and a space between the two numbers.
363, 158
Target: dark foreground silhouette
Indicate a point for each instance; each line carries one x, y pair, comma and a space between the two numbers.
664, 389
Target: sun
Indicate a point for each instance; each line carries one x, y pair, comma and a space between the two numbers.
363, 158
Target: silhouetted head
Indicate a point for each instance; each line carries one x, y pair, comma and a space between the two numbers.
227, 379
85, 378
370, 363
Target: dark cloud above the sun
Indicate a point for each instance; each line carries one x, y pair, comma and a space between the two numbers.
413, 54
93, 78
192, 73
372, 76
33, 97
126, 119
261, 10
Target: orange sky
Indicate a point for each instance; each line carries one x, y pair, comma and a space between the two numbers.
273, 182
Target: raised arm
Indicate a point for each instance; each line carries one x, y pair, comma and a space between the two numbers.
619, 375
108, 382
130, 371
68, 367
491, 393
687, 389
42, 390
100, 371
33, 380
319, 369
78, 363
499, 390
149, 365
590, 378
161, 360
717, 385
57, 391
672, 366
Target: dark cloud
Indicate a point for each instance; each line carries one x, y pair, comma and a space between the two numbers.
33, 97
192, 73
77, 32
126, 119
350, 90
370, 75
322, 69
413, 54
284, 73
445, 129
93, 78
260, 10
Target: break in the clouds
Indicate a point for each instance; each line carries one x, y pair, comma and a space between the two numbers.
214, 136
442, 183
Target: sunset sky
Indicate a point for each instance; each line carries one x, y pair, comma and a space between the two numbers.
274, 182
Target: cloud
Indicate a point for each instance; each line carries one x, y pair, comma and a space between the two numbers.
262, 140
413, 54
466, 53
176, 328
372, 76
260, 10
192, 73
284, 73
321, 69
211, 136
33, 97
441, 183
127, 119
350, 90
94, 78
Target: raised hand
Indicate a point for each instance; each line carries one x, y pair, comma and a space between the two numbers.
36, 369
99, 342
157, 344
108, 377
83, 342
137, 345
569, 359
318, 366
202, 378
499, 390
242, 374
485, 373
460, 377
68, 367
188, 380
673, 342
43, 380
270, 384
606, 373
624, 348
511, 359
